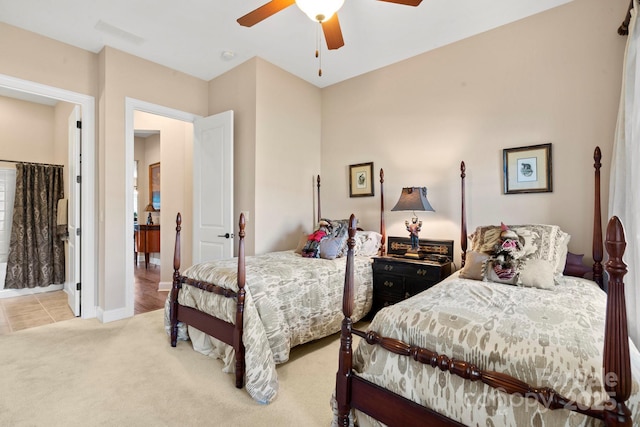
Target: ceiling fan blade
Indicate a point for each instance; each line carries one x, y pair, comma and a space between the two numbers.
263, 12
333, 33
405, 2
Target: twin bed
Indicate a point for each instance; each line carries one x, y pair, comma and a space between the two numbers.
468, 351
471, 351
250, 311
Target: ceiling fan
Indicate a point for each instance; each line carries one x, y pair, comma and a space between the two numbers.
322, 11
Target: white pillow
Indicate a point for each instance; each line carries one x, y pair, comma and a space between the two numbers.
367, 243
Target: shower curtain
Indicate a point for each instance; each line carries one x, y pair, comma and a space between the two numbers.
36, 254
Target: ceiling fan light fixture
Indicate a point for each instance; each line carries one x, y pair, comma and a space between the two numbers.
319, 10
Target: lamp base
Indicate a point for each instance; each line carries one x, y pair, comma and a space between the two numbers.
415, 254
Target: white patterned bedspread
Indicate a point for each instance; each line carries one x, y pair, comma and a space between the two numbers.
290, 300
547, 338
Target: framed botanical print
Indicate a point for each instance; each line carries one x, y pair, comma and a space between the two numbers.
361, 180
527, 169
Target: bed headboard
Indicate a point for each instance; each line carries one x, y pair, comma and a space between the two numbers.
573, 265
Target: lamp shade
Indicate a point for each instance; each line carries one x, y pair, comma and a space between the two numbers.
150, 208
413, 199
320, 10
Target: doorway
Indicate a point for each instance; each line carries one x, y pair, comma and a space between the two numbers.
187, 181
168, 207
88, 253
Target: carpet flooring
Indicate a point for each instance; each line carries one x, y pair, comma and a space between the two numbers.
125, 373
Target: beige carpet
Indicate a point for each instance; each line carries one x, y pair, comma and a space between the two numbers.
125, 373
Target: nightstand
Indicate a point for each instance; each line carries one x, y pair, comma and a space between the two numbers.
395, 279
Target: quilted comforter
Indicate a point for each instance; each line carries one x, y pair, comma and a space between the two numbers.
290, 300
547, 338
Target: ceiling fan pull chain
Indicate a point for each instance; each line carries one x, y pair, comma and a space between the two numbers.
319, 48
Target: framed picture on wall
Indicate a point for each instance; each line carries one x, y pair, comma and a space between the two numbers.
154, 185
361, 180
527, 169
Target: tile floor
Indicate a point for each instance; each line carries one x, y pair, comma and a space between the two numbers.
29, 311
33, 310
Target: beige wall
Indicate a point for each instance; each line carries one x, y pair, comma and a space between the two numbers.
288, 122
27, 131
236, 90
124, 75
276, 150
29, 56
554, 77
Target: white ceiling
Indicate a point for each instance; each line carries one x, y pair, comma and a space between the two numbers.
191, 35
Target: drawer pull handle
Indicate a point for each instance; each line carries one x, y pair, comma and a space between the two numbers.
388, 267
388, 284
422, 272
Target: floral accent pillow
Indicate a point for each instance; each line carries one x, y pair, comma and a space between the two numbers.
512, 255
541, 241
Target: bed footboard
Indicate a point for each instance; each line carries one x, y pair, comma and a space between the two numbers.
224, 331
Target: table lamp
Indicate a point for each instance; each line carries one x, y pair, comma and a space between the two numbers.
150, 209
414, 199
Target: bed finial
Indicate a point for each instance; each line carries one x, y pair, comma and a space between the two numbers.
616, 361
463, 219
597, 250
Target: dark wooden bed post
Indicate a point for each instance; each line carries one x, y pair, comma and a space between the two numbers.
597, 222
463, 219
238, 344
383, 228
173, 300
318, 196
345, 363
616, 363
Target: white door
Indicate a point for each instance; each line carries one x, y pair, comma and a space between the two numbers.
72, 283
213, 222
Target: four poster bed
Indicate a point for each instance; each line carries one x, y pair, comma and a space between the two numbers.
470, 351
250, 311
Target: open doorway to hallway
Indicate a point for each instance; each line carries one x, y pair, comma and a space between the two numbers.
161, 150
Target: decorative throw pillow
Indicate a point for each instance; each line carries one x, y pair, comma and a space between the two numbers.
563, 251
494, 271
514, 257
339, 229
531, 273
537, 273
474, 265
541, 241
330, 247
367, 243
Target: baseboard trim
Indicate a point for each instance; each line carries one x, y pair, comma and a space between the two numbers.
164, 286
113, 315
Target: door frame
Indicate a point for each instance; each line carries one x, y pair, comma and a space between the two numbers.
132, 105
89, 250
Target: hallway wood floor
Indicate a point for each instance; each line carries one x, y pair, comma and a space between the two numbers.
34, 310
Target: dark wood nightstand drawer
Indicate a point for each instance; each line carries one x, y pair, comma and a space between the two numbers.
389, 284
396, 279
